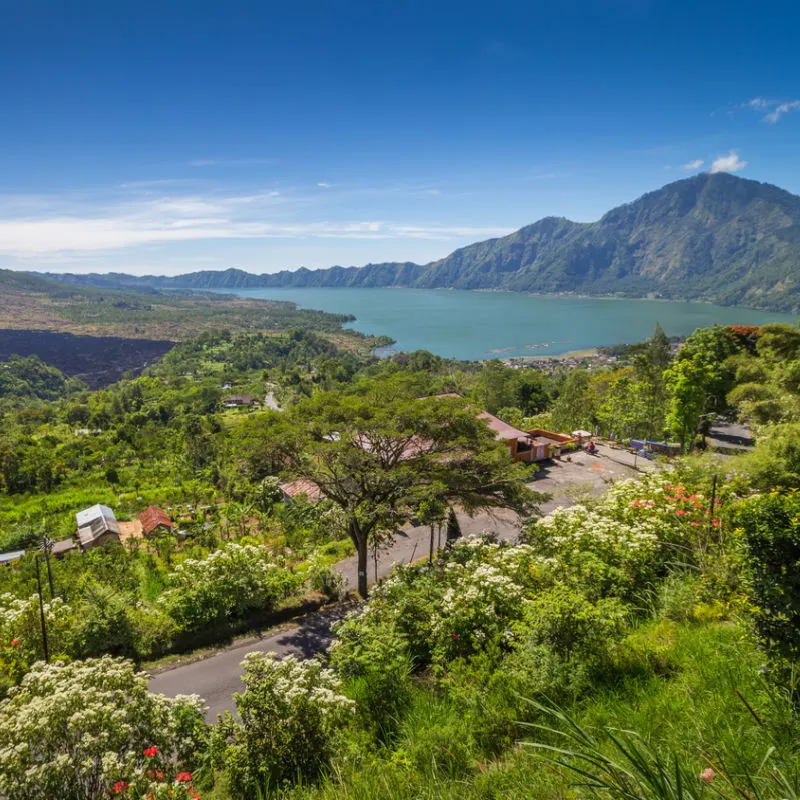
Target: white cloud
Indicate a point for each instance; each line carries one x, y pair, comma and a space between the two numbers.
324, 185
728, 163
780, 110
777, 108
692, 165
53, 227
229, 162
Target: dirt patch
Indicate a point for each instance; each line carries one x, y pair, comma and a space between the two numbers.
130, 530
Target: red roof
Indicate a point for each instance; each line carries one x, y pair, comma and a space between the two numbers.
152, 517
302, 486
502, 430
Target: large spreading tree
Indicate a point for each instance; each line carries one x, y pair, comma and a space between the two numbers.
379, 454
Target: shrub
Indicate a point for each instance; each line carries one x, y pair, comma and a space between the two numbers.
291, 713
76, 730
227, 584
21, 632
569, 625
324, 579
771, 527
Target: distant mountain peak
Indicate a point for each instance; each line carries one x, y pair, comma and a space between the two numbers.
710, 236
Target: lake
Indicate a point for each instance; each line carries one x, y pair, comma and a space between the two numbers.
480, 325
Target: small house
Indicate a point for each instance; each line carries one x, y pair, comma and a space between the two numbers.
239, 401
97, 525
529, 446
155, 520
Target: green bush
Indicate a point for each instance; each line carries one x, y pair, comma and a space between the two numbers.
227, 584
771, 527
290, 716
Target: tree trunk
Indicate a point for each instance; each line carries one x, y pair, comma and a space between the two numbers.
430, 558
360, 541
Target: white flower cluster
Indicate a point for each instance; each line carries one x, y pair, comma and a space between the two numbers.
290, 686
232, 580
72, 730
20, 622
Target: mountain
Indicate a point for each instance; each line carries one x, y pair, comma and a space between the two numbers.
709, 237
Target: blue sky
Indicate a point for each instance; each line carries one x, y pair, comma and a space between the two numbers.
167, 137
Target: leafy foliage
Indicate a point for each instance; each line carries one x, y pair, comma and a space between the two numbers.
76, 730
291, 713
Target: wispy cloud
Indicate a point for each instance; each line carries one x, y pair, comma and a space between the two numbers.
776, 108
53, 227
779, 111
325, 185
693, 165
728, 163
229, 162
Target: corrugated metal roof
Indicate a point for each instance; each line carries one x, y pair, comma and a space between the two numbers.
87, 516
152, 517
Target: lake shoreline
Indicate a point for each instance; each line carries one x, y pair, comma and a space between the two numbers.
477, 325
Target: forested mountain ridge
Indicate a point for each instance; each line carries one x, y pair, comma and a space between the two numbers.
710, 237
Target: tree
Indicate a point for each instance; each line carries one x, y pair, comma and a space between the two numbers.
687, 381
770, 524
432, 510
712, 349
375, 456
649, 364
574, 407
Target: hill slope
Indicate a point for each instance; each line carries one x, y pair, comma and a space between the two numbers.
710, 237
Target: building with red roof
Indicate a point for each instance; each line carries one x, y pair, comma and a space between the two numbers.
155, 520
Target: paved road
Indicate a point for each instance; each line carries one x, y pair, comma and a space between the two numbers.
218, 677
731, 436
271, 402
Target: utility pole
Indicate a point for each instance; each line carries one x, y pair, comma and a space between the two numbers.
46, 546
41, 613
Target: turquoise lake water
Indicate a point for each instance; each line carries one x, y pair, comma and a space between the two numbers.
479, 325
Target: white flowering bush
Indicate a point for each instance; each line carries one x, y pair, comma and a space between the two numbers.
471, 597
291, 713
90, 729
229, 583
596, 551
21, 632
625, 541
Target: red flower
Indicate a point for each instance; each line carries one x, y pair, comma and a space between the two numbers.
119, 787
455, 636
15, 642
151, 751
183, 777
695, 524
708, 775
716, 523
680, 512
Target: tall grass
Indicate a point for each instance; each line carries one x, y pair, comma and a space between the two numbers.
681, 698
